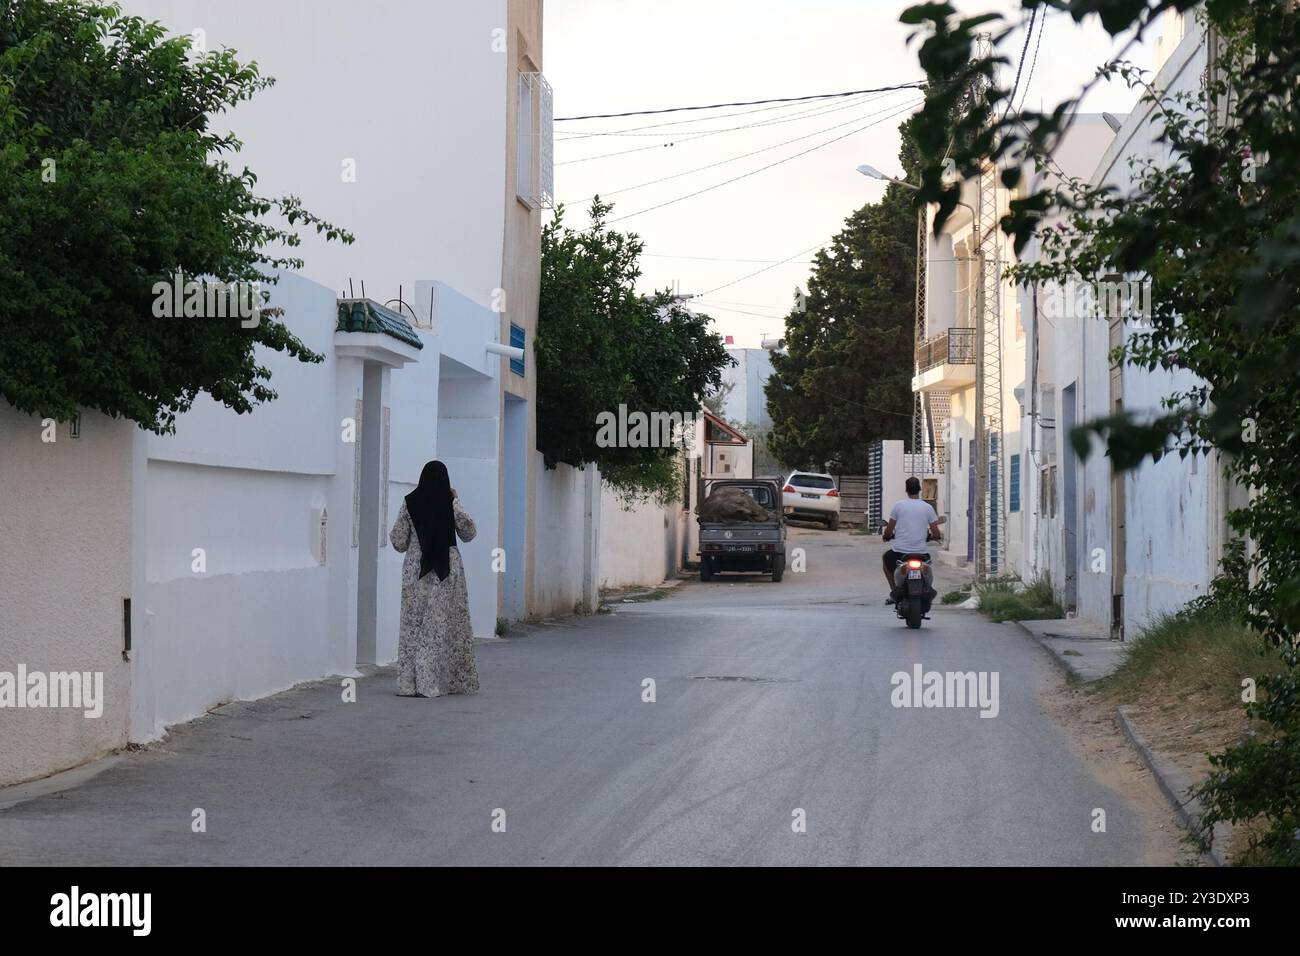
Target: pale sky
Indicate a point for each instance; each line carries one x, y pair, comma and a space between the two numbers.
611, 56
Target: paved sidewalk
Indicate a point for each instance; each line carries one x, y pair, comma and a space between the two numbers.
1082, 647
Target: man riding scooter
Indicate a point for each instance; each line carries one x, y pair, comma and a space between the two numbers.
911, 523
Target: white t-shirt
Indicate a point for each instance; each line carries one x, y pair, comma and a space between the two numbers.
912, 518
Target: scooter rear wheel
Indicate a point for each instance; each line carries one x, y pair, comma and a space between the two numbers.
915, 612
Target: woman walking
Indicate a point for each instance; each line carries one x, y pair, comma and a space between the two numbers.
435, 649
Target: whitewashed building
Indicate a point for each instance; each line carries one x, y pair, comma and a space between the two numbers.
946, 380
1119, 549
1066, 383
244, 554
746, 401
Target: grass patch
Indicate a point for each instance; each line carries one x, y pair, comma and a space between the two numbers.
1202, 656
1183, 676
1001, 600
654, 594
954, 597
635, 595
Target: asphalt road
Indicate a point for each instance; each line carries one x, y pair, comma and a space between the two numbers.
772, 705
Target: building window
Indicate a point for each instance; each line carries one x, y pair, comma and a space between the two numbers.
516, 341
1014, 489
534, 165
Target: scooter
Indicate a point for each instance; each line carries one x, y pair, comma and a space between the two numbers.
913, 589
913, 586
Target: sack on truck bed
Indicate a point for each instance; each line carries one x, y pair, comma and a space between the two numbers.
730, 503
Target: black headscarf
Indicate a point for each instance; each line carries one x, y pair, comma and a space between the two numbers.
429, 506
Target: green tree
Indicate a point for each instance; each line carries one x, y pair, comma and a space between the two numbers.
717, 398
111, 180
1216, 233
845, 380
766, 464
601, 344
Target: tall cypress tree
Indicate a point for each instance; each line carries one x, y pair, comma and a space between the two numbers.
846, 378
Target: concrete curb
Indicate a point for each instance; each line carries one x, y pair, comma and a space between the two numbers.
1062, 661
1174, 784
17, 793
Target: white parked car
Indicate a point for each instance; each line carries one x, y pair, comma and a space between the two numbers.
813, 496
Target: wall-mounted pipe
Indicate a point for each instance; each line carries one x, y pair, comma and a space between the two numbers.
509, 351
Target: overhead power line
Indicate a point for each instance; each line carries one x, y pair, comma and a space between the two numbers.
714, 117
754, 172
1042, 23
664, 255
711, 307
918, 84
756, 305
692, 135
725, 285
734, 159
1024, 52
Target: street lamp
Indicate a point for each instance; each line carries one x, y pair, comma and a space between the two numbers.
874, 173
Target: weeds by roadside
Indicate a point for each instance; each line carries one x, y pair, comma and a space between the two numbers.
1202, 654
1001, 601
1189, 673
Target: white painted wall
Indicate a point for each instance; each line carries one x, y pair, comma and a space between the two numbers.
65, 524
469, 436
893, 478
957, 467
391, 87
414, 93
446, 406
640, 545
1170, 514
1070, 350
246, 489
558, 572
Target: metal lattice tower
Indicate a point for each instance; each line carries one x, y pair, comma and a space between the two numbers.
919, 425
990, 515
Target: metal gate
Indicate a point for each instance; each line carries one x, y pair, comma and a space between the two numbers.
875, 486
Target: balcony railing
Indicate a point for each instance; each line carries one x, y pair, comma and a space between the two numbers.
953, 347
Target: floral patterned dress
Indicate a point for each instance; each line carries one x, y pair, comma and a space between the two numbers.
435, 649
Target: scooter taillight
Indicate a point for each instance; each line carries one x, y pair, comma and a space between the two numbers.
914, 563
